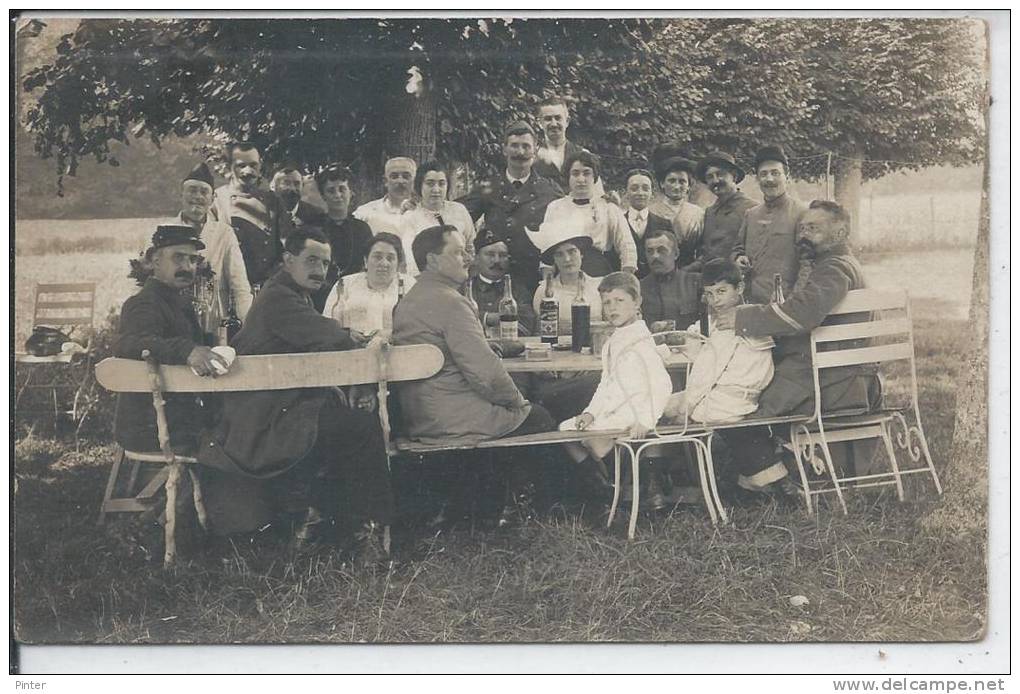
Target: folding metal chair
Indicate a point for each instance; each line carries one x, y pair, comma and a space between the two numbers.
882, 316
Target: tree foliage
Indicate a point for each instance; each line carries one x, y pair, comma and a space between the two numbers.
905, 91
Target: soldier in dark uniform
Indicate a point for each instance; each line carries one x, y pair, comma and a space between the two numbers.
827, 272
492, 260
516, 200
288, 184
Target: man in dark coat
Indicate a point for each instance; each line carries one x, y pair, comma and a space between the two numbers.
828, 271
668, 292
310, 438
492, 261
517, 199
288, 183
257, 216
640, 218
724, 218
160, 319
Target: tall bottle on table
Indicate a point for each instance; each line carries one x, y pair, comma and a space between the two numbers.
549, 312
508, 313
580, 319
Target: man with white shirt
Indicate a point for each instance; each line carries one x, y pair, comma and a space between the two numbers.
640, 219
514, 200
554, 118
384, 214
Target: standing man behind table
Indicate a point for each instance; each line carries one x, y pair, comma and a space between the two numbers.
492, 263
765, 243
724, 218
316, 441
828, 270
554, 119
640, 219
222, 252
160, 319
257, 216
385, 213
288, 183
516, 200
349, 238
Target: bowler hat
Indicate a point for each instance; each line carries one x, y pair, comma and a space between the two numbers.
175, 235
722, 159
770, 153
201, 173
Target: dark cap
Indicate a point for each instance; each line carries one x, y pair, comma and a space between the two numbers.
518, 127
770, 153
175, 235
487, 237
720, 159
201, 173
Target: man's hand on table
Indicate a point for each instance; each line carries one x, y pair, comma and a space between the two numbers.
363, 398
205, 362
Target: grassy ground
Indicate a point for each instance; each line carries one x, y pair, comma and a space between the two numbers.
875, 575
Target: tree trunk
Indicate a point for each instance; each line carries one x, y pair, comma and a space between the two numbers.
964, 511
414, 127
847, 173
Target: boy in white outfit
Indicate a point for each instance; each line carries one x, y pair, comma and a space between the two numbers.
729, 372
635, 385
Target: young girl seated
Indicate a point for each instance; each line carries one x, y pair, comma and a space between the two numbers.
729, 372
635, 384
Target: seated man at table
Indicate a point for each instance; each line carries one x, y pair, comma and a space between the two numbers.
667, 292
309, 442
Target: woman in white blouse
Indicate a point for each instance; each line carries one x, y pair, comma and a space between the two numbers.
432, 186
563, 247
364, 301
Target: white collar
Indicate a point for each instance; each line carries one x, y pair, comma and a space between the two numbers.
637, 214
522, 180
485, 279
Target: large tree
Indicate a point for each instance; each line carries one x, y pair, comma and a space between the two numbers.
896, 92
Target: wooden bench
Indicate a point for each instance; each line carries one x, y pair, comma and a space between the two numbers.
248, 373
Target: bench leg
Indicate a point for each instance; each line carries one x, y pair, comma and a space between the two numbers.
173, 480
616, 484
635, 492
196, 496
111, 484
706, 476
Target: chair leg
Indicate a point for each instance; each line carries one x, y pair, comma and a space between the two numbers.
111, 485
927, 457
893, 464
635, 492
705, 447
616, 484
798, 455
172, 483
832, 471
706, 490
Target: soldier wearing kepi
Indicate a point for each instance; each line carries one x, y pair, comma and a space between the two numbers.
765, 243
492, 265
828, 270
257, 216
723, 219
222, 252
160, 319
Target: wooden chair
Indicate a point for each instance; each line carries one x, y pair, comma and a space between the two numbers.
883, 317
69, 307
248, 373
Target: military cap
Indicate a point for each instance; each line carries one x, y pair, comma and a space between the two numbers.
175, 235
770, 153
201, 173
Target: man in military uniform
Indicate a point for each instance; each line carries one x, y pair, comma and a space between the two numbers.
723, 219
765, 243
516, 200
492, 262
827, 272
288, 183
256, 215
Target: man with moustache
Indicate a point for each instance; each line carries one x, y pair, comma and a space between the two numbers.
288, 184
222, 252
640, 218
160, 319
257, 216
554, 119
828, 270
516, 200
492, 263
384, 214
668, 292
765, 243
723, 219
308, 441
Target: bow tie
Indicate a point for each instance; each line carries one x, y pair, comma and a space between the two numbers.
584, 201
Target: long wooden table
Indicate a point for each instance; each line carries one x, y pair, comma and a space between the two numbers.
575, 361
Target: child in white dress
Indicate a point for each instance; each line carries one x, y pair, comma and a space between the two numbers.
729, 372
635, 385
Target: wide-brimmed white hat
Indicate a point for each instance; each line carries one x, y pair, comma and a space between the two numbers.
551, 233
